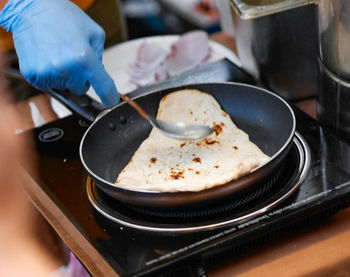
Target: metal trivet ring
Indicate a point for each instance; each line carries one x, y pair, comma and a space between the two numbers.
215, 209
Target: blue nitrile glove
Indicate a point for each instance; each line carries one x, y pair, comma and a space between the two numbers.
59, 46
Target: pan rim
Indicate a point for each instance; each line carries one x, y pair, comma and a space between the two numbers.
105, 112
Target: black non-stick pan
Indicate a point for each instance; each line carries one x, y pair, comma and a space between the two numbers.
112, 139
115, 134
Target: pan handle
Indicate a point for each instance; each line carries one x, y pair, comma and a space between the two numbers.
83, 105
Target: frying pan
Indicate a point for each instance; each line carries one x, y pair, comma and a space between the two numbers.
111, 140
115, 134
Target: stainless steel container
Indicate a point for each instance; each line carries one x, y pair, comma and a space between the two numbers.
333, 101
277, 44
334, 36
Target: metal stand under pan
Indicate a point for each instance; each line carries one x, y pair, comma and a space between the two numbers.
271, 193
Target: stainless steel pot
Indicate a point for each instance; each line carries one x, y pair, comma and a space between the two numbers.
277, 44
299, 50
333, 101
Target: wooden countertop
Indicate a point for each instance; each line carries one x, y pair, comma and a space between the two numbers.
320, 251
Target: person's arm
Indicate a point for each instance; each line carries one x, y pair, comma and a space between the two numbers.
58, 46
21, 253
2, 4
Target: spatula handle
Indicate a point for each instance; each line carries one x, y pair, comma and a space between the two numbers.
134, 105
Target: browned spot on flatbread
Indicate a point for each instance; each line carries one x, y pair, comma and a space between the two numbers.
163, 99
153, 160
182, 144
191, 112
217, 129
197, 160
235, 147
210, 141
198, 172
177, 174
216, 166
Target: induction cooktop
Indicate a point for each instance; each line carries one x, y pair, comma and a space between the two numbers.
315, 183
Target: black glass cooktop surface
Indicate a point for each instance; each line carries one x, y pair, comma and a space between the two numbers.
324, 189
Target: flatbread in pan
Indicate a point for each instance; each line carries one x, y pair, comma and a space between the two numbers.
167, 165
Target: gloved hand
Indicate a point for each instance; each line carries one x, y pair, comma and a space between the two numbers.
59, 46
